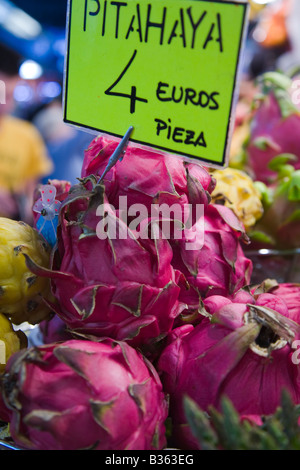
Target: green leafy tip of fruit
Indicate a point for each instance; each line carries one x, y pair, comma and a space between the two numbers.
282, 161
264, 143
294, 187
224, 430
274, 80
288, 179
266, 194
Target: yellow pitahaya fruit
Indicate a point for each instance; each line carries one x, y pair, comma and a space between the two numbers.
22, 292
236, 190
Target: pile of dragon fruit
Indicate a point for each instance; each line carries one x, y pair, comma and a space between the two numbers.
135, 324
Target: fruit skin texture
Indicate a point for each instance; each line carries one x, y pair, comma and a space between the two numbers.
84, 395
21, 292
121, 287
147, 177
219, 266
10, 341
237, 191
227, 354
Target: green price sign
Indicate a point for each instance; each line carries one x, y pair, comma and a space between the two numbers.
169, 68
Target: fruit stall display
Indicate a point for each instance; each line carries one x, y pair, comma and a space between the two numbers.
143, 343
262, 183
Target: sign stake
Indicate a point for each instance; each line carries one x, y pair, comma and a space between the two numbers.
118, 153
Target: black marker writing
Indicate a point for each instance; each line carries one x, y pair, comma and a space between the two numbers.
164, 92
202, 30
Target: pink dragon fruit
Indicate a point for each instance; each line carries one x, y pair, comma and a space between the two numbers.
219, 266
275, 127
147, 177
243, 349
110, 284
83, 394
62, 189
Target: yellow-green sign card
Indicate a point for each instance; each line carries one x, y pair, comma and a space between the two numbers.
166, 67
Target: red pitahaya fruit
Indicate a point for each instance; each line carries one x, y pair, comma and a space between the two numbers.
217, 265
110, 284
147, 177
275, 127
242, 350
290, 293
54, 330
279, 226
83, 394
